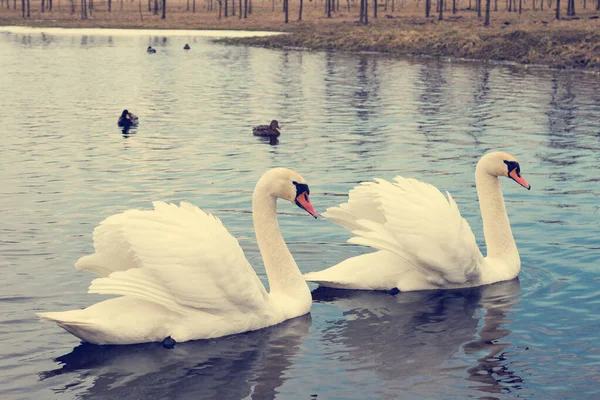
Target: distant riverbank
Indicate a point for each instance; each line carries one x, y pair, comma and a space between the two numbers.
559, 48
534, 37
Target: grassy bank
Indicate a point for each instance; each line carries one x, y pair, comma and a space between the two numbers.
560, 46
533, 37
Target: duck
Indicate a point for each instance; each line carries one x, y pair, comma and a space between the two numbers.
127, 119
271, 130
150, 50
420, 239
186, 47
180, 275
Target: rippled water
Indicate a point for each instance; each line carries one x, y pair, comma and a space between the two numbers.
65, 166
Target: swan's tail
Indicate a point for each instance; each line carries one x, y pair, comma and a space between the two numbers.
72, 322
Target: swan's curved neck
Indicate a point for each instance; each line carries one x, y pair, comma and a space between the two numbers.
499, 239
282, 271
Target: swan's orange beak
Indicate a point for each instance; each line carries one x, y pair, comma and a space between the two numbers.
519, 179
303, 202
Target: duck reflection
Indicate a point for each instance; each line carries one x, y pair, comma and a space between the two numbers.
251, 364
417, 336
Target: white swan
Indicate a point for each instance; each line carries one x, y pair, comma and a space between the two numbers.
182, 276
423, 241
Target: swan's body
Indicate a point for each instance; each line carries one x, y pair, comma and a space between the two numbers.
128, 119
181, 274
422, 240
271, 130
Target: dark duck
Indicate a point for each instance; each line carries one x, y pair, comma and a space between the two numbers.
271, 130
127, 119
150, 50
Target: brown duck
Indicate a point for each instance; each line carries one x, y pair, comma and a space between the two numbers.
271, 130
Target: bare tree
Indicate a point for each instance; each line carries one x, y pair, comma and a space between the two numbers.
23, 7
83, 9
300, 11
375, 4
557, 9
427, 8
286, 9
487, 13
441, 7
164, 9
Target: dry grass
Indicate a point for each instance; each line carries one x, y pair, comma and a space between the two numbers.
532, 37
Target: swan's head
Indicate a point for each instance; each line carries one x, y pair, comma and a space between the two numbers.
503, 164
289, 185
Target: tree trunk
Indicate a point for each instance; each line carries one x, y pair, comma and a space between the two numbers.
361, 18
155, 7
367, 12
300, 12
50, 5
43, 4
427, 8
23, 7
375, 5
478, 8
225, 11
557, 9
441, 16
109, 4
164, 9
495, 5
487, 13
245, 9
285, 5
72, 7
520, 6
83, 9
194, 6
220, 2
453, 6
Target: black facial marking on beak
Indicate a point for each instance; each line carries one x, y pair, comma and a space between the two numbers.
514, 173
302, 200
513, 165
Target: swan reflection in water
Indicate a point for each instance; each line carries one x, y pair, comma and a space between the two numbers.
234, 367
422, 342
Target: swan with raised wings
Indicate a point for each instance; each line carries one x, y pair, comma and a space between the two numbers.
181, 276
422, 240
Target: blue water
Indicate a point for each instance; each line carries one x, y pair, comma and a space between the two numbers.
65, 166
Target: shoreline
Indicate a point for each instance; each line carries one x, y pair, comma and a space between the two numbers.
533, 39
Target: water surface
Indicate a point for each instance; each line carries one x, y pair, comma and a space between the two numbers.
66, 166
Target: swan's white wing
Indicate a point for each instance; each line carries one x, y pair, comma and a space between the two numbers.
420, 225
176, 256
363, 203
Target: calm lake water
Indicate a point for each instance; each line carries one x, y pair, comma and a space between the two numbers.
65, 166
